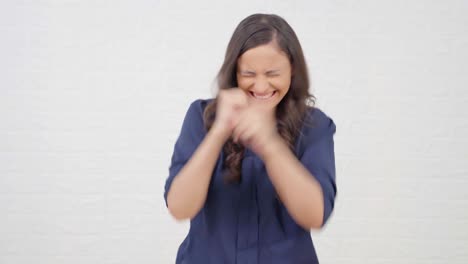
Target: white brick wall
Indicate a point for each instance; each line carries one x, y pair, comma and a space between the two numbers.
93, 94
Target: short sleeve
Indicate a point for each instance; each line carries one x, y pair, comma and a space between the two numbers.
191, 135
318, 156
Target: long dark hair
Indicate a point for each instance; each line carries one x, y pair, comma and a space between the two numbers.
253, 31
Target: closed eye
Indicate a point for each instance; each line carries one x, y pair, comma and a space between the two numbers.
247, 74
272, 73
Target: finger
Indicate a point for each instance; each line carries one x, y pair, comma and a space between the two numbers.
240, 101
246, 137
246, 129
234, 121
236, 95
241, 126
238, 130
237, 115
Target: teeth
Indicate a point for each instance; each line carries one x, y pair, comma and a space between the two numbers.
263, 97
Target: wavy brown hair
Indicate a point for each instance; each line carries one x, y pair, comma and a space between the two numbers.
253, 31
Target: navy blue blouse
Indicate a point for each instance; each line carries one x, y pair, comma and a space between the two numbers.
246, 222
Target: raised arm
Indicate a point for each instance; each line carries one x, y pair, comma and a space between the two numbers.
196, 153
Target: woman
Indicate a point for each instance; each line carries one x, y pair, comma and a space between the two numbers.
254, 168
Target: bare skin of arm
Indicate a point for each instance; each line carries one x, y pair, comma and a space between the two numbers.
189, 188
299, 191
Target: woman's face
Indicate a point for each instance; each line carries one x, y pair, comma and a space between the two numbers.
264, 73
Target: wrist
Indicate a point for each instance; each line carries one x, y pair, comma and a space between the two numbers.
219, 133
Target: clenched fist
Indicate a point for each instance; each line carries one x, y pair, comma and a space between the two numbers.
231, 102
248, 124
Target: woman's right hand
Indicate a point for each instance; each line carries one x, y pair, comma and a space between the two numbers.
231, 102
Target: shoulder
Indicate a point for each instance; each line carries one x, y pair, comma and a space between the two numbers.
198, 106
316, 125
318, 121
193, 127
193, 124
194, 114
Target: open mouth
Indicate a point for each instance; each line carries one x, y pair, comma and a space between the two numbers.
263, 96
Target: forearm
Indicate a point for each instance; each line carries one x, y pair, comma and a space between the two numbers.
189, 188
299, 191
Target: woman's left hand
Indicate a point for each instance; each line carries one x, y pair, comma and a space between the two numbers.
256, 129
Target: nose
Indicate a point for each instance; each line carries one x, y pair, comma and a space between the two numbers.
261, 86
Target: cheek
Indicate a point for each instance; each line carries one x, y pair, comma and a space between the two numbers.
282, 84
244, 83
